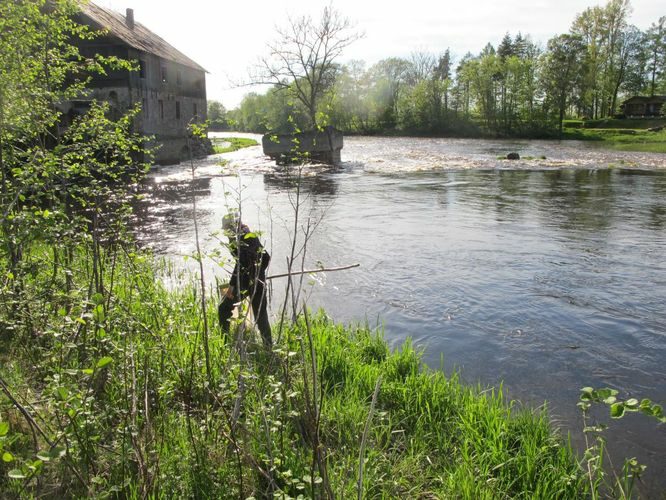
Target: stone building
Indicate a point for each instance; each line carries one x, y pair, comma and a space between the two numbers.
170, 86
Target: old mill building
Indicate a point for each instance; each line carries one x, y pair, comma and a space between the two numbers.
170, 86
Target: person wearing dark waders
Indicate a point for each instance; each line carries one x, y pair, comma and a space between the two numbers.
248, 279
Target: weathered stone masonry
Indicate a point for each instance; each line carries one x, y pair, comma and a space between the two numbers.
170, 87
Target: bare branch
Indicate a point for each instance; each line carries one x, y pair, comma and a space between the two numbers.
302, 57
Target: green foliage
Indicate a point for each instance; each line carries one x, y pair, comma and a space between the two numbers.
217, 116
618, 408
234, 144
126, 394
635, 139
621, 486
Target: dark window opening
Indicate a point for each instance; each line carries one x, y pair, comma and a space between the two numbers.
178, 77
177, 110
160, 104
142, 69
164, 74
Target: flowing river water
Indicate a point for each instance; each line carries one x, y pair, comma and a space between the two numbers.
546, 274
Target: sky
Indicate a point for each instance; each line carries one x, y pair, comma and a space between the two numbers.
227, 37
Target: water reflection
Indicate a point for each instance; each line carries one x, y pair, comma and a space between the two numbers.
657, 218
316, 183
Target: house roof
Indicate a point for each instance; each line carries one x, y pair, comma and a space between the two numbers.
643, 98
139, 37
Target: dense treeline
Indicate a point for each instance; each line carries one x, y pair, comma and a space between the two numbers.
515, 88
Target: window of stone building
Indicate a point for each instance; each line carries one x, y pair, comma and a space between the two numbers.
164, 74
177, 110
142, 68
160, 104
178, 77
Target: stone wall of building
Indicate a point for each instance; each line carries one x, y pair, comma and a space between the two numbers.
171, 96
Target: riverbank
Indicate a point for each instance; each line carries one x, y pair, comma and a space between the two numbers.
132, 391
637, 135
231, 144
641, 135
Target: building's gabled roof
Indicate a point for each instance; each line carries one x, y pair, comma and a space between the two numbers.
139, 37
644, 98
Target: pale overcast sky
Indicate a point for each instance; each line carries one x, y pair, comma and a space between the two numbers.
227, 36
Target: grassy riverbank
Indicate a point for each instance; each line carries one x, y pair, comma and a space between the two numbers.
229, 144
126, 392
623, 135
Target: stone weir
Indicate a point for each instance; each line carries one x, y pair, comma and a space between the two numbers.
316, 146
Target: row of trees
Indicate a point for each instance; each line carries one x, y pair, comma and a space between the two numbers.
516, 88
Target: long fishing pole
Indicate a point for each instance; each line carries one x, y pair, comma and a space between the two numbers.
310, 271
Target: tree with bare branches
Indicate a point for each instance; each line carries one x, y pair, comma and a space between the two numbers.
302, 58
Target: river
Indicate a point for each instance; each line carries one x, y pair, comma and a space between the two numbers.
546, 274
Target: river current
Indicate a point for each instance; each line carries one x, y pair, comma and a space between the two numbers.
546, 274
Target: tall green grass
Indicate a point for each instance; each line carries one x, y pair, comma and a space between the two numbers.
117, 383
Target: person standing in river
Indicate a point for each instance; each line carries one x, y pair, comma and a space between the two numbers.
248, 278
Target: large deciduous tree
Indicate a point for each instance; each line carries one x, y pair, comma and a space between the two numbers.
561, 72
655, 39
302, 58
602, 29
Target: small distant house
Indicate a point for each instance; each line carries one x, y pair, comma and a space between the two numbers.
643, 106
170, 86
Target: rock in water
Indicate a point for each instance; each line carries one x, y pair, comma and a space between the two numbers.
513, 156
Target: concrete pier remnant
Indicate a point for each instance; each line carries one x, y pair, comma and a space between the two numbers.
321, 146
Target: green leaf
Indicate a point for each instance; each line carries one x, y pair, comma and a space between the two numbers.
103, 362
617, 410
7, 457
33, 466
98, 313
606, 393
4, 428
631, 403
16, 474
587, 394
44, 456
583, 406
97, 298
62, 393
